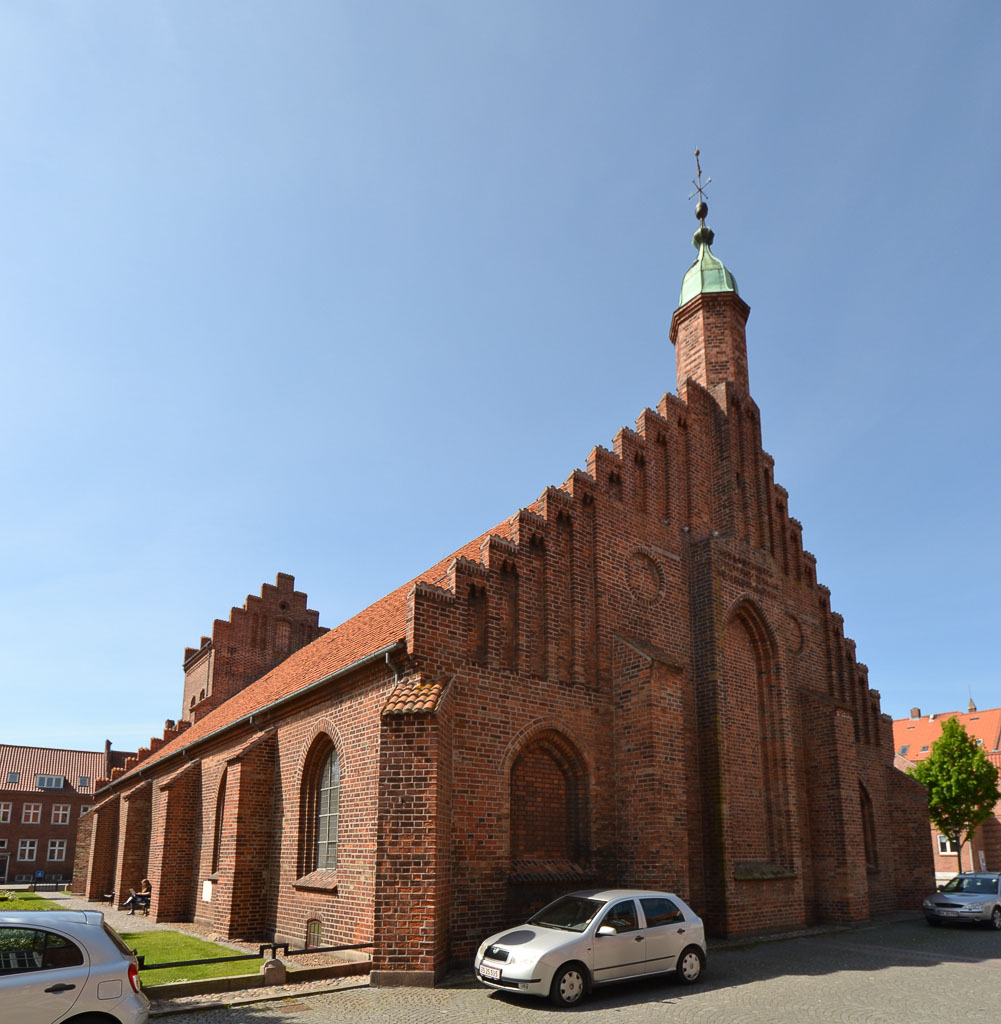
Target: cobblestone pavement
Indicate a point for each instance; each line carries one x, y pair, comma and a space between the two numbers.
881, 974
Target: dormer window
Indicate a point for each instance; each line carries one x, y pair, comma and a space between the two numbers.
50, 781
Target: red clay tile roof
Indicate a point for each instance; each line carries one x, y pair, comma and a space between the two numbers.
30, 762
414, 694
918, 734
378, 626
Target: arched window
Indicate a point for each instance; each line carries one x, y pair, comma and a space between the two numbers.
220, 814
327, 800
868, 829
319, 807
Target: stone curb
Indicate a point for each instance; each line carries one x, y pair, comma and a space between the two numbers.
264, 997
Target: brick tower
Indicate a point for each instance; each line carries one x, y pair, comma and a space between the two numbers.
265, 631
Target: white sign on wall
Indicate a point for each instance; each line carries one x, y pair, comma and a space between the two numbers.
207, 891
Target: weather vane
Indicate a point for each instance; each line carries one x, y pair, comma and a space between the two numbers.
701, 208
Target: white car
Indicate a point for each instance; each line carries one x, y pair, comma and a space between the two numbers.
590, 938
67, 966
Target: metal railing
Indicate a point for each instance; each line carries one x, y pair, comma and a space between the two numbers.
274, 947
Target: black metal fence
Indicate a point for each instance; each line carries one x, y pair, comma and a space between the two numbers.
274, 947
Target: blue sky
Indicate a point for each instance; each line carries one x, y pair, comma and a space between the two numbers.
329, 288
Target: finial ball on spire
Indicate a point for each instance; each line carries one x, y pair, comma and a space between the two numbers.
701, 210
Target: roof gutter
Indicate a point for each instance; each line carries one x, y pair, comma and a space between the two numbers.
382, 653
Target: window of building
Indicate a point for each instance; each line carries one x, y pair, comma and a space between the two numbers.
945, 845
903, 750
85, 808
328, 799
27, 849
49, 781
318, 808
5, 812
314, 933
868, 829
220, 817
57, 849
13, 778
31, 814
3, 844
83, 782
924, 749
60, 814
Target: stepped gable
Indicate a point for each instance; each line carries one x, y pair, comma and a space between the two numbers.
386, 621
378, 626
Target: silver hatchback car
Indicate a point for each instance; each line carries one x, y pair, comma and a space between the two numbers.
591, 938
67, 966
972, 897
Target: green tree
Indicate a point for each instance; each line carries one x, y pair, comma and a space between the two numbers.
962, 785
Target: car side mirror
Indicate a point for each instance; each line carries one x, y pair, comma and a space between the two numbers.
607, 929
939, 888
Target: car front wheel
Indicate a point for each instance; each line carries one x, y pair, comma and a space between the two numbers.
569, 984
691, 964
996, 919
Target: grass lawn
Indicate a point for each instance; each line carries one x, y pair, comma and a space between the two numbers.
27, 900
164, 947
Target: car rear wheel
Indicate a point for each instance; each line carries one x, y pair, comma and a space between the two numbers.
569, 985
996, 919
691, 964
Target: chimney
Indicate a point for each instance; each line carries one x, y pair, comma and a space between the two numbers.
915, 712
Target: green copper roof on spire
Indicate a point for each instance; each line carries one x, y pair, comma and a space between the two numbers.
707, 273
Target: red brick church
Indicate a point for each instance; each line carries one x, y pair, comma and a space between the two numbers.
635, 679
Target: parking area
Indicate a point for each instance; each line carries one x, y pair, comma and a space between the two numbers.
881, 974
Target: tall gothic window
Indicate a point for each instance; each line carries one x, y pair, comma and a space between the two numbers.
319, 800
327, 800
220, 815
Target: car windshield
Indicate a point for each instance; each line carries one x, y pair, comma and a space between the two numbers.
985, 886
571, 913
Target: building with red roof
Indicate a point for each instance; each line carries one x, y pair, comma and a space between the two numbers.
913, 738
636, 679
43, 793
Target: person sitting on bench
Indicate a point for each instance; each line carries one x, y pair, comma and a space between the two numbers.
141, 898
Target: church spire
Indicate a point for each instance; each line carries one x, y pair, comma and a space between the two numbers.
707, 328
707, 273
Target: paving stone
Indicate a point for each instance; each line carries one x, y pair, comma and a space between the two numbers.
885, 974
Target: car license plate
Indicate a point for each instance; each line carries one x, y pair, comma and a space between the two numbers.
948, 913
490, 973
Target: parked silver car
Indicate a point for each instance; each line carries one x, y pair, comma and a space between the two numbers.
67, 966
967, 897
591, 938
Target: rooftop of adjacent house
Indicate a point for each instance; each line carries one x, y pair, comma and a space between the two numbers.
22, 768
913, 737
